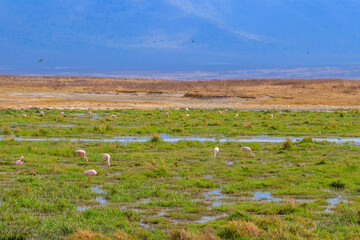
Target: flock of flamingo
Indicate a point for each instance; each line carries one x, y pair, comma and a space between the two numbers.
106, 160
106, 157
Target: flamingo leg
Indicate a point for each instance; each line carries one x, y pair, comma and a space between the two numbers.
89, 179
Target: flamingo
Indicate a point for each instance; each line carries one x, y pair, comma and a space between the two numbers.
106, 157
42, 113
61, 113
166, 114
24, 115
216, 150
248, 150
90, 173
220, 112
271, 115
19, 162
236, 115
187, 109
113, 116
90, 113
187, 115
226, 110
81, 154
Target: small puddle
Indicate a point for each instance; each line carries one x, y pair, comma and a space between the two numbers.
95, 116
264, 196
208, 177
82, 208
100, 200
97, 189
56, 125
333, 202
215, 197
206, 219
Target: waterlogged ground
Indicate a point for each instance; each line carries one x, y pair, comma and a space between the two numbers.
164, 190
202, 123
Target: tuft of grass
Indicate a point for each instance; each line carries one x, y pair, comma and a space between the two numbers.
307, 140
239, 229
337, 184
333, 124
6, 130
155, 138
86, 235
287, 144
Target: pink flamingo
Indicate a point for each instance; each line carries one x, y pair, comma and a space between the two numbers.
236, 115
248, 150
19, 162
113, 116
220, 112
271, 115
187, 115
106, 157
24, 115
42, 113
216, 150
61, 113
90, 173
81, 154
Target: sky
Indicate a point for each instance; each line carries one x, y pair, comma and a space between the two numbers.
181, 39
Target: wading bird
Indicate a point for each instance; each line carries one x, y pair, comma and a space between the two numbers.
187, 115
216, 150
90, 173
236, 115
81, 154
24, 115
106, 157
62, 113
42, 113
19, 162
248, 150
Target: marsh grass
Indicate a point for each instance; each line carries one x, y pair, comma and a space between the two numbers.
160, 190
202, 123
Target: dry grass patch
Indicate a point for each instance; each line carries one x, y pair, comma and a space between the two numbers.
86, 235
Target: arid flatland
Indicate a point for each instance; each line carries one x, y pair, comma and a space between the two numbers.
110, 93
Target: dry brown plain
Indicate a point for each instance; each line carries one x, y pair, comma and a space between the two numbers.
108, 93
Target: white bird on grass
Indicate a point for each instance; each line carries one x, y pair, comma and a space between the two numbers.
216, 150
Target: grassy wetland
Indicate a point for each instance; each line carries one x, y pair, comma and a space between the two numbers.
159, 190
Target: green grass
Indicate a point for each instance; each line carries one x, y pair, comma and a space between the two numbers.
200, 123
160, 190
